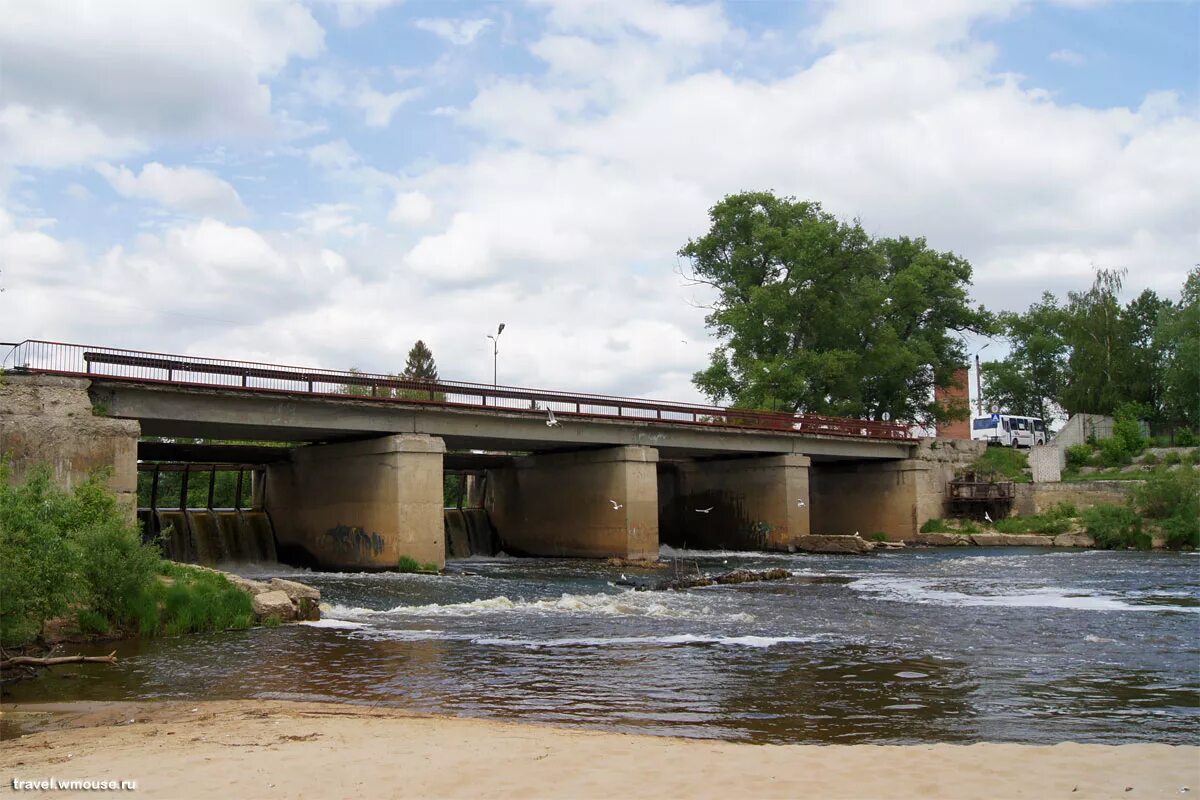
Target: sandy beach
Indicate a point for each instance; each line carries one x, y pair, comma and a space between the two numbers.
282, 749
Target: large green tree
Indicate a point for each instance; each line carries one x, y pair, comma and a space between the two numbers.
420, 364
815, 315
1029, 381
1177, 339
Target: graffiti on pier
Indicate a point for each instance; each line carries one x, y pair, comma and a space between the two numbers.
347, 538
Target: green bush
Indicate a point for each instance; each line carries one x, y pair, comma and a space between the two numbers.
1113, 452
430, 567
1129, 433
1169, 493
1172, 458
879, 536
1034, 524
1150, 459
1185, 437
969, 526
1115, 527
1181, 532
1006, 462
407, 564
935, 526
1061, 511
75, 554
1078, 455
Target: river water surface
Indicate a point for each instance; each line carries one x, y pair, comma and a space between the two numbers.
954, 645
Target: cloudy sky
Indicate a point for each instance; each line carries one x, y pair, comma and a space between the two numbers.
325, 182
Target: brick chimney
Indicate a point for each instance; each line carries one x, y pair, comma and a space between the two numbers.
955, 395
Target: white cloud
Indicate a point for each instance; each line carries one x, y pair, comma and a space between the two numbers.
921, 23
352, 13
102, 78
456, 31
378, 107
182, 188
1071, 57
328, 219
336, 154
411, 208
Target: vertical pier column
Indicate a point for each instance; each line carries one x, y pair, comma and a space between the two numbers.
590, 504
738, 504
360, 505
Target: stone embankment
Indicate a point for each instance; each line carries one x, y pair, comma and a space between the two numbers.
278, 599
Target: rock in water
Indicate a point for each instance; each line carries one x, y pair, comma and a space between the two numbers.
829, 543
275, 603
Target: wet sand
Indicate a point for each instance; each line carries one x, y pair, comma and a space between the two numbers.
268, 749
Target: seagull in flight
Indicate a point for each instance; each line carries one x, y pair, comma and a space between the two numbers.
987, 517
616, 506
704, 510
799, 504
551, 422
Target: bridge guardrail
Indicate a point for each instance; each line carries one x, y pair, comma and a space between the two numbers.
76, 360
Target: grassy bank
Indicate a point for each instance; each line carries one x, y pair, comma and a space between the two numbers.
74, 563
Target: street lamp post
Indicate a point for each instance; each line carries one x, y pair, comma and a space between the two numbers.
979, 382
495, 353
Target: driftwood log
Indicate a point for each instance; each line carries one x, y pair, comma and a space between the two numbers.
724, 579
33, 661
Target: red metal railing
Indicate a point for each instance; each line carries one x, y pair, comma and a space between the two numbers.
109, 363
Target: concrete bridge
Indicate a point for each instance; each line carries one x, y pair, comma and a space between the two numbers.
566, 474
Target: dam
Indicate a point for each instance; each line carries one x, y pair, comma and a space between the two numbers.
348, 468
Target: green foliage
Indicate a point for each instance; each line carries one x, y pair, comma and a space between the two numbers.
1150, 459
195, 600
817, 316
1029, 380
1185, 437
430, 567
1115, 527
936, 526
76, 553
969, 526
1006, 462
879, 536
1172, 458
1078, 455
420, 364
1113, 452
1062, 510
1168, 493
407, 564
1180, 532
1094, 355
1192, 458
1043, 523
1128, 430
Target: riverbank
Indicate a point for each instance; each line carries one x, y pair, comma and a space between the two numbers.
253, 748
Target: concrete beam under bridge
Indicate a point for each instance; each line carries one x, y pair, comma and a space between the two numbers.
215, 413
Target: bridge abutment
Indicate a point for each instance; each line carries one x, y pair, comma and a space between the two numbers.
736, 504
50, 420
360, 505
588, 504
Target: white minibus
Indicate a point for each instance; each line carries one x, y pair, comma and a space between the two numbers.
1009, 430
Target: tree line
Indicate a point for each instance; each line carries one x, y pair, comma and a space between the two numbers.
1092, 354
815, 315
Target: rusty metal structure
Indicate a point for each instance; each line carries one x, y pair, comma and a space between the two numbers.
972, 493
351, 386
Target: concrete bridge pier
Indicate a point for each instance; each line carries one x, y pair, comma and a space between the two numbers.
586, 504
736, 504
360, 505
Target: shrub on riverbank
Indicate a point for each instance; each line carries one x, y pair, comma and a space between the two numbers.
1172, 499
75, 555
1115, 527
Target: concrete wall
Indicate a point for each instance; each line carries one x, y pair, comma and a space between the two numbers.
1034, 498
1046, 462
50, 420
360, 505
894, 498
1082, 426
735, 504
561, 504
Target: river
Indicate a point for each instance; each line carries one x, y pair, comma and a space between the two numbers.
954, 645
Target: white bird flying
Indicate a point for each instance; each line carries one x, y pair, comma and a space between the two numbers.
616, 506
799, 504
987, 516
704, 510
551, 422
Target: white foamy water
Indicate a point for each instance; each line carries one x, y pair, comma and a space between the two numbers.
914, 590
334, 623
660, 605
675, 639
